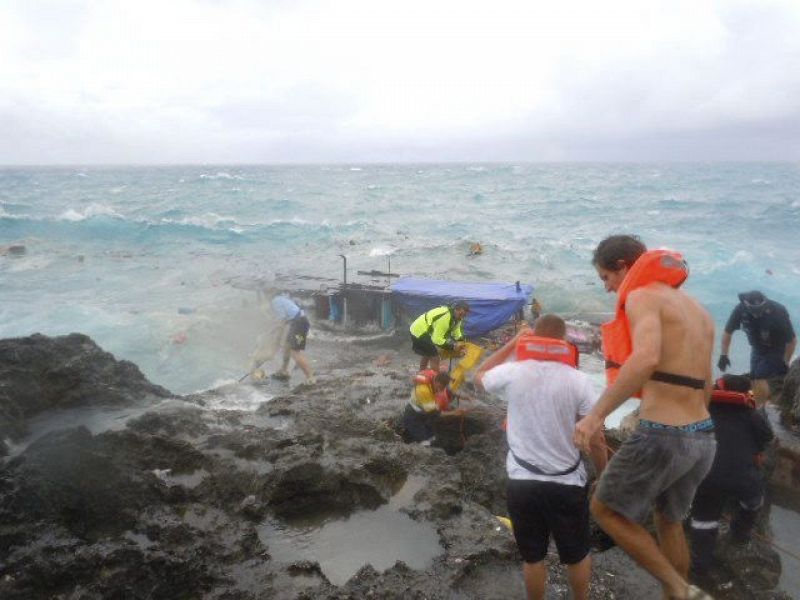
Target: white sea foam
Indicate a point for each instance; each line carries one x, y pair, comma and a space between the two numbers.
235, 396
220, 175
29, 263
209, 221
382, 251
93, 210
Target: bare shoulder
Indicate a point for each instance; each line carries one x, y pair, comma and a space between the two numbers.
702, 312
644, 298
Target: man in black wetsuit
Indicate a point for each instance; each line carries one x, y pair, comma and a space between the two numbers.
743, 433
770, 334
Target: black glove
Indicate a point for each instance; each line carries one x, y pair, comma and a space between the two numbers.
724, 362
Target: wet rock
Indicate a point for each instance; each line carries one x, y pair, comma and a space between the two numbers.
39, 373
175, 504
743, 571
789, 397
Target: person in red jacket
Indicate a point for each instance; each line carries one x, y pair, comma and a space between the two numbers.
430, 400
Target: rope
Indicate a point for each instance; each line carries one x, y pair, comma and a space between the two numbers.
777, 546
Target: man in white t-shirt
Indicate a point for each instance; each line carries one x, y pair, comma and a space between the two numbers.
547, 492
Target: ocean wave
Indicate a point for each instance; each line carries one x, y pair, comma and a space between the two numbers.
109, 224
737, 260
208, 221
93, 210
220, 175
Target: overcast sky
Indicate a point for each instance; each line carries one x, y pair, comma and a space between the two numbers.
217, 81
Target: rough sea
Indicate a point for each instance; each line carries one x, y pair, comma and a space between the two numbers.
146, 260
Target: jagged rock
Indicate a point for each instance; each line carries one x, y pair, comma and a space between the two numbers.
789, 399
188, 502
39, 373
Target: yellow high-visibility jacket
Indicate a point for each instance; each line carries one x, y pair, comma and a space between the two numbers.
441, 324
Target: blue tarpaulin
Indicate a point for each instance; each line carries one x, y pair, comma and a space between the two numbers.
491, 304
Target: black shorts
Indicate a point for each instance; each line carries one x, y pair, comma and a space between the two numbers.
298, 332
423, 345
766, 366
539, 508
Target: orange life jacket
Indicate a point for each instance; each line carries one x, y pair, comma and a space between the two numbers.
664, 266
426, 376
723, 396
426, 399
533, 347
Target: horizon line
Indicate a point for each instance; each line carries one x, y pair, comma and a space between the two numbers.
391, 163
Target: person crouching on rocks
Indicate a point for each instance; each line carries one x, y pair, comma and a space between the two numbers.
547, 492
439, 329
743, 433
430, 400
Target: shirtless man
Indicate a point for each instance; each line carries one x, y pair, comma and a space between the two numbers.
659, 347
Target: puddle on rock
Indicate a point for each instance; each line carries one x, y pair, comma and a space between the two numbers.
97, 419
187, 480
139, 539
342, 546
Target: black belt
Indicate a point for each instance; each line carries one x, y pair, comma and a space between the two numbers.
671, 378
536, 470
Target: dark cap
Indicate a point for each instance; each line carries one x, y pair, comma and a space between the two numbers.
754, 302
461, 304
753, 298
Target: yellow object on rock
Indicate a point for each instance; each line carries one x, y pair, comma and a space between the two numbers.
505, 521
472, 354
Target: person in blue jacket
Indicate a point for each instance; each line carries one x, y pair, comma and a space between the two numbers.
293, 327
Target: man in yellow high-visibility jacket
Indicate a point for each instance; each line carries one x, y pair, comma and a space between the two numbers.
441, 328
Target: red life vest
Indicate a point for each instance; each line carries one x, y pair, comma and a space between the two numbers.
723, 396
426, 376
442, 398
664, 266
533, 347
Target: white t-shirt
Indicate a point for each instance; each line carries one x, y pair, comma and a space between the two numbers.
545, 400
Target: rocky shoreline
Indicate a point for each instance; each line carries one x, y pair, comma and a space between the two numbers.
158, 496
